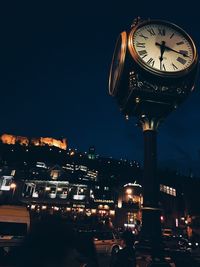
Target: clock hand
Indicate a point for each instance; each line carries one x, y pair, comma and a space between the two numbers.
169, 48
162, 50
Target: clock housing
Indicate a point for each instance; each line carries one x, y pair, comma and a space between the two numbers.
154, 68
118, 64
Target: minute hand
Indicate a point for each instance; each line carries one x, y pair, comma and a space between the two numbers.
171, 49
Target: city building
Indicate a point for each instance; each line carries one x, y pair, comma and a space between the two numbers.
48, 179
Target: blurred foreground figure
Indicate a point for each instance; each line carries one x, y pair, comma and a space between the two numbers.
53, 244
85, 246
125, 257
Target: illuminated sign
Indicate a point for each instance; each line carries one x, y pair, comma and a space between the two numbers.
5, 182
78, 197
78, 206
132, 184
104, 200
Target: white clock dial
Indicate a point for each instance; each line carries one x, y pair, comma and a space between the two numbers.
163, 48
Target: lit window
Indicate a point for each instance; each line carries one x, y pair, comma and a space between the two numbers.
168, 190
54, 174
35, 194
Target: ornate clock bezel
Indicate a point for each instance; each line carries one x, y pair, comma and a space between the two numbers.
141, 63
123, 38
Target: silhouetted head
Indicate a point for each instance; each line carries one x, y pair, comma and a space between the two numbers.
128, 238
50, 244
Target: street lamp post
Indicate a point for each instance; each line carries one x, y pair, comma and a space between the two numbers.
153, 70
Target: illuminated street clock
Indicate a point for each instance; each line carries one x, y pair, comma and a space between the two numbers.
155, 61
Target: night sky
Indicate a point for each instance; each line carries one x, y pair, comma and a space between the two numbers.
54, 68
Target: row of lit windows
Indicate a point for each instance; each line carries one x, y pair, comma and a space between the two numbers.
78, 209
168, 190
106, 188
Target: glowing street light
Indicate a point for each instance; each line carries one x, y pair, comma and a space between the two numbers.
13, 188
129, 191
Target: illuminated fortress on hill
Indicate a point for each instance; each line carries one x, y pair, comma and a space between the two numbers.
10, 139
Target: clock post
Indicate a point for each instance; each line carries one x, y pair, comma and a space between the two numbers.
153, 70
151, 212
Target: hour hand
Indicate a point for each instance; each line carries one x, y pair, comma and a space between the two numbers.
162, 50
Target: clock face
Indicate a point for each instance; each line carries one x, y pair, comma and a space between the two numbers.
117, 63
162, 47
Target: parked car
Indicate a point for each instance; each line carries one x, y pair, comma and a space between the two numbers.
14, 226
173, 243
14, 223
105, 241
167, 232
179, 243
188, 244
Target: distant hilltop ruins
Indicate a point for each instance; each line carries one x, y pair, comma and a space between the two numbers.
10, 139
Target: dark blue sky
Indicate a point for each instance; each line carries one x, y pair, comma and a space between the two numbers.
54, 63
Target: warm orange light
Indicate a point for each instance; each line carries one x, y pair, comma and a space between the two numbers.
80, 209
12, 139
112, 212
72, 153
93, 211
41, 141
129, 191
13, 186
47, 188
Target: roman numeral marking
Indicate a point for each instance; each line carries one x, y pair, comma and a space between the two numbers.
181, 60
180, 43
144, 56
151, 62
171, 35
164, 67
142, 53
151, 31
174, 66
143, 36
183, 52
161, 32
142, 45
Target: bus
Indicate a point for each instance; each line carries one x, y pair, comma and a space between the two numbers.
14, 224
